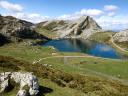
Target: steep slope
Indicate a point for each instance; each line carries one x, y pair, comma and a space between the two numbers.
83, 27
14, 29
121, 36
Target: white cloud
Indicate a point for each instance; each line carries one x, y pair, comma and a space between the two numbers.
91, 12
117, 22
110, 7
17, 11
68, 17
31, 17
111, 14
11, 6
64, 17
106, 19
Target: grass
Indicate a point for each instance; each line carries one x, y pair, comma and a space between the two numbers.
118, 49
102, 36
49, 33
57, 82
109, 67
26, 52
81, 65
57, 90
34, 53
50, 29
123, 45
76, 77
50, 88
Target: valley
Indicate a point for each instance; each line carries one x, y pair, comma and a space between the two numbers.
60, 72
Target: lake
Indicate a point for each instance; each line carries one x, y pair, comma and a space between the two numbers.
85, 46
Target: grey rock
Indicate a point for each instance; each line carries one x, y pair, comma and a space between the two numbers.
22, 93
121, 36
83, 27
17, 30
23, 79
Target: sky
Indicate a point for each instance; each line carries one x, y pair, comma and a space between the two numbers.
109, 14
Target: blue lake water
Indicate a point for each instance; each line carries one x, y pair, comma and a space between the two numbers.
85, 46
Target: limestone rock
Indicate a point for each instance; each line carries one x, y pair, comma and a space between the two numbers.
23, 79
22, 93
83, 27
121, 36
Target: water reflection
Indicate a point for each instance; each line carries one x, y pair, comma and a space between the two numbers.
85, 46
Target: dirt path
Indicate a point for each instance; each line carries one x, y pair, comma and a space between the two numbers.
125, 82
70, 56
62, 56
109, 77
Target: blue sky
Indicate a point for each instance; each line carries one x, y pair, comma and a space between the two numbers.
110, 14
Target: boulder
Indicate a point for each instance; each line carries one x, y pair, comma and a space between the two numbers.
27, 82
22, 93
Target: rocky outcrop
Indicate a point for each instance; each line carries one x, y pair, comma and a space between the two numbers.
83, 27
121, 36
28, 83
16, 30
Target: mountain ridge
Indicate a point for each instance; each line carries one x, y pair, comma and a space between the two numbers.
15, 30
79, 28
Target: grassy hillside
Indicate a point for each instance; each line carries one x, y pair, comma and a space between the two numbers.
56, 82
66, 76
49, 33
48, 30
102, 36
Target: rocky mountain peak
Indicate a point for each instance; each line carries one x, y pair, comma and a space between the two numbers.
82, 27
90, 22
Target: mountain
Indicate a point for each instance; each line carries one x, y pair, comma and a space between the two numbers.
83, 27
13, 29
121, 36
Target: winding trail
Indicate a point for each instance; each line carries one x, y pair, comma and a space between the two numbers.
110, 77
77, 56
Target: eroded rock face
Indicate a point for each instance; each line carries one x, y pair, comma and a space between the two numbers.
25, 81
121, 36
83, 27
